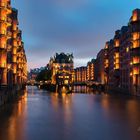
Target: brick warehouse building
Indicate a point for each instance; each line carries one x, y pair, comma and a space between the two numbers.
91, 70
80, 74
13, 62
118, 64
122, 57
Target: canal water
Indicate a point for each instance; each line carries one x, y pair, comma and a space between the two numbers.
40, 115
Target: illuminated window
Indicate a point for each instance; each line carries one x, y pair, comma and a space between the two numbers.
117, 55
14, 51
3, 60
3, 3
136, 71
136, 36
3, 42
14, 35
136, 60
14, 69
3, 28
117, 66
117, 61
136, 44
3, 15
14, 58
117, 43
135, 16
106, 46
14, 26
106, 63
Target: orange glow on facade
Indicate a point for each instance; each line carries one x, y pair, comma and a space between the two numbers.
136, 36
117, 55
91, 70
81, 74
117, 43
117, 66
136, 60
136, 44
136, 71
3, 59
9, 47
3, 42
135, 16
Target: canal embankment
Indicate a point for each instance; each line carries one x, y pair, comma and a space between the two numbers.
10, 94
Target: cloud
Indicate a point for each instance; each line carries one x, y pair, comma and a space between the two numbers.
78, 26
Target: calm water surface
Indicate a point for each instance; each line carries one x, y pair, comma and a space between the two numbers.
39, 115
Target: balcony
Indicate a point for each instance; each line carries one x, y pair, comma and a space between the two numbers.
18, 73
136, 36
9, 20
2, 46
3, 17
9, 9
9, 34
14, 35
2, 65
136, 70
14, 50
14, 58
9, 47
3, 4
6, 7
3, 42
3, 32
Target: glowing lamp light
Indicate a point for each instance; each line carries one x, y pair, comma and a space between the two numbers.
135, 16
127, 49
136, 60
9, 66
117, 43
131, 74
135, 71
136, 36
136, 44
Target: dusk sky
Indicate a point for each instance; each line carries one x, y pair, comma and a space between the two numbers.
80, 27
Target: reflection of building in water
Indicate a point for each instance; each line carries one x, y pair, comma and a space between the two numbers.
61, 99
82, 89
17, 125
64, 101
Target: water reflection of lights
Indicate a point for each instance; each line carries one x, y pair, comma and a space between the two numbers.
32, 90
63, 100
64, 90
16, 124
64, 97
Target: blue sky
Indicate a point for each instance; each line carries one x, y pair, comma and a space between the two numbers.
80, 27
